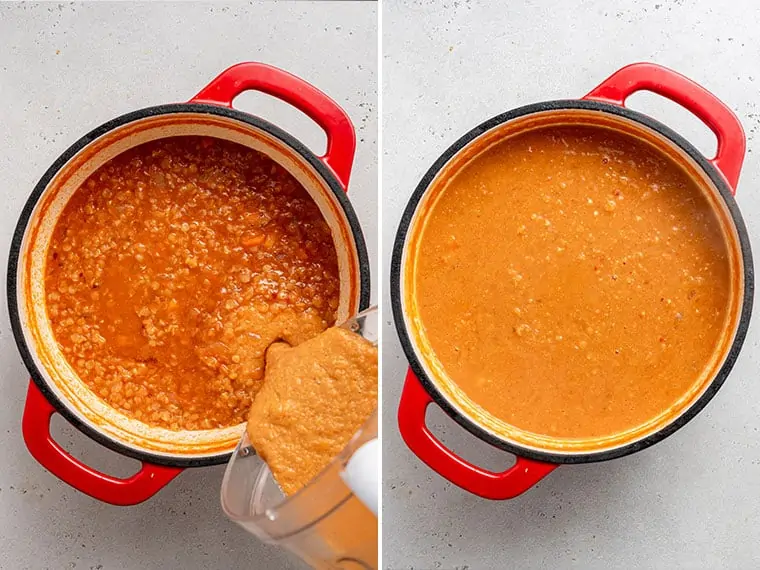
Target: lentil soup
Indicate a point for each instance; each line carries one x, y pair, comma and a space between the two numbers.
315, 397
172, 269
572, 283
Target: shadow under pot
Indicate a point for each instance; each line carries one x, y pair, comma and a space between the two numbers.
55, 385
572, 281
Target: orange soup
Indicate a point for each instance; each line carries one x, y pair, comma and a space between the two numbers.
175, 266
572, 282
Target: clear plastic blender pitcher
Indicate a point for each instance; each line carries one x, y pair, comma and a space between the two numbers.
326, 523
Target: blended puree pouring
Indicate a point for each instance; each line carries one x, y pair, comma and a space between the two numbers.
315, 397
572, 281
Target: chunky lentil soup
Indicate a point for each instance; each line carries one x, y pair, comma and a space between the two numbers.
572, 281
174, 267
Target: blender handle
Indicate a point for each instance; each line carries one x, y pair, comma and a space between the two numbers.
362, 474
148, 481
341, 138
505, 485
693, 97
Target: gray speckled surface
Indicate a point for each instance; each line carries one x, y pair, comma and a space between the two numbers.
66, 68
692, 501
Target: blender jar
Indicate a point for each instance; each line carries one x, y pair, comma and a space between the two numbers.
325, 523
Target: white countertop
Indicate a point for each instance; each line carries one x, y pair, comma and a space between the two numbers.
67, 68
691, 501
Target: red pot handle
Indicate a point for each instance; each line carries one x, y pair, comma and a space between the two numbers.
341, 139
693, 97
507, 485
135, 489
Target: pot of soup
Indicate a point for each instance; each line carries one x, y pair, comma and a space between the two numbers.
572, 281
159, 257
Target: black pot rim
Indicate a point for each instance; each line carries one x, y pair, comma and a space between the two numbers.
200, 108
741, 330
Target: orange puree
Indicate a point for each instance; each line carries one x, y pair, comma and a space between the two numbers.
315, 397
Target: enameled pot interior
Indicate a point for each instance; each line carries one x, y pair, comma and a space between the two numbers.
454, 397
52, 367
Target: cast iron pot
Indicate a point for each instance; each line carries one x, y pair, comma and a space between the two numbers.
605, 104
54, 386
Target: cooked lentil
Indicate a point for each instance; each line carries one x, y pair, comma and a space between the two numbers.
172, 269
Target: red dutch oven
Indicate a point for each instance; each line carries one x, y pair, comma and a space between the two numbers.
54, 386
605, 103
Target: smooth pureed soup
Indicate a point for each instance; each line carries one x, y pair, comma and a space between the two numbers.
314, 399
174, 267
572, 281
